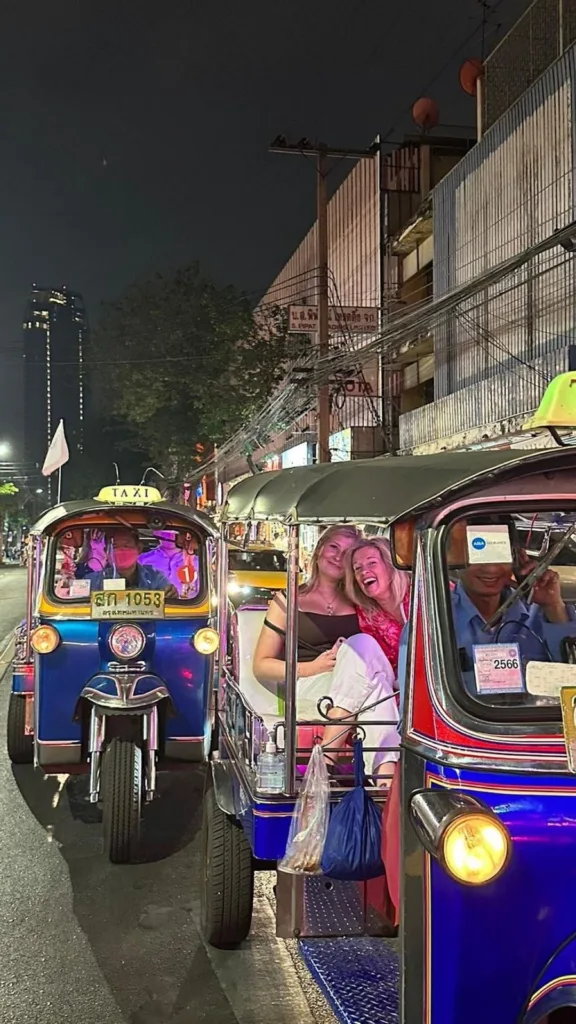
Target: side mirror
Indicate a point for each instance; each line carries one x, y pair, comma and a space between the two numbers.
402, 545
187, 541
71, 539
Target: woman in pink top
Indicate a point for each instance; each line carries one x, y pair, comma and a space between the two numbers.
380, 593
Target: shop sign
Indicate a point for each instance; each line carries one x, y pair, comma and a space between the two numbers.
300, 455
341, 445
361, 319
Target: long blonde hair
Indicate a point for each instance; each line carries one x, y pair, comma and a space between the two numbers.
333, 531
399, 581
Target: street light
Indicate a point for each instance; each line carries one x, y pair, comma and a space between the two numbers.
5, 449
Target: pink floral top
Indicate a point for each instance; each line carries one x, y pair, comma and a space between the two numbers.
385, 629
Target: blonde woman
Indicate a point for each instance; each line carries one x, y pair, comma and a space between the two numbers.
335, 659
380, 593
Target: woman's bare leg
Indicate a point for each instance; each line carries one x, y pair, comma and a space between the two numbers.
335, 735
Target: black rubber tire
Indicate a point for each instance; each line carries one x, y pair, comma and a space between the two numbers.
122, 787
227, 896
20, 746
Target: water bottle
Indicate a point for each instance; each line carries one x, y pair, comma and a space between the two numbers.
271, 770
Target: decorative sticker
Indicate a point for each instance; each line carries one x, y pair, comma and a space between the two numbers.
488, 544
117, 584
497, 668
568, 702
80, 588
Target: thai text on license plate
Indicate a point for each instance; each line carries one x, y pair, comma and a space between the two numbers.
128, 604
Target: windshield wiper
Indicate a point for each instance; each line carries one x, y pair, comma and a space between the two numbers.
529, 580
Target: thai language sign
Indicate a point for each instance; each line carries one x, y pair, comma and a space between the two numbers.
360, 319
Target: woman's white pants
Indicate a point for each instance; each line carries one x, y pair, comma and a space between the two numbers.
362, 675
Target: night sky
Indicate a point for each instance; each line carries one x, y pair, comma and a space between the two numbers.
134, 135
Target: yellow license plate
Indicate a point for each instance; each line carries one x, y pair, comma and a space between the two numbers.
127, 604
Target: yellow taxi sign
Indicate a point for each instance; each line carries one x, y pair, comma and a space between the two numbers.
128, 494
558, 405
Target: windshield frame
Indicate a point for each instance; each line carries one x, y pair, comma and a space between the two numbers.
256, 569
447, 649
52, 551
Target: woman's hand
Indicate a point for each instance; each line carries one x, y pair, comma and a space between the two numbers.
323, 663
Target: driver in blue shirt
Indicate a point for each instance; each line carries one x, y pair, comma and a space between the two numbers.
537, 627
125, 550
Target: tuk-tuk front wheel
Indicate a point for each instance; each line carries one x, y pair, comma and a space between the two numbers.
228, 882
20, 746
122, 775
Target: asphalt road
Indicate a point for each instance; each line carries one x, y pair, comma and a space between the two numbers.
86, 942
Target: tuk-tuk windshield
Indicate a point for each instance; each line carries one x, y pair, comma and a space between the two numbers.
260, 560
88, 560
512, 602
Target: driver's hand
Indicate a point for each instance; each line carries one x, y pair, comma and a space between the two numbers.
547, 593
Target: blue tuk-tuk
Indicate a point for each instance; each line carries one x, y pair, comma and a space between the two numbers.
114, 665
473, 919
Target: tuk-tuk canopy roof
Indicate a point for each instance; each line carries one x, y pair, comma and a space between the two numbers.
162, 510
384, 488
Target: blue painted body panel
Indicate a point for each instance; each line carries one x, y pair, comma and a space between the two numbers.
83, 653
514, 927
22, 682
266, 823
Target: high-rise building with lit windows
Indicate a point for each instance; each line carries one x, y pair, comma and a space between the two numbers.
55, 334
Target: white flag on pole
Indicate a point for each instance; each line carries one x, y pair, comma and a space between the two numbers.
58, 453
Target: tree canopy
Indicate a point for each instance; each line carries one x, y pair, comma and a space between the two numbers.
185, 362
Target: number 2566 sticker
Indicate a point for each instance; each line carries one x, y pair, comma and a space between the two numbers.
497, 668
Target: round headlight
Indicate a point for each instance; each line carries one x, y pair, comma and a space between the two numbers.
45, 639
206, 640
126, 641
475, 848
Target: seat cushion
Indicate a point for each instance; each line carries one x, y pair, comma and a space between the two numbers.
247, 623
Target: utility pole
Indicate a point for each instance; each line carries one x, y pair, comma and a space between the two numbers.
323, 429
323, 155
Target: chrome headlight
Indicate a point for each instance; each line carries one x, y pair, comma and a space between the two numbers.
45, 639
126, 641
206, 640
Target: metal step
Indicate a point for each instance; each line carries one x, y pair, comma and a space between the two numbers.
358, 976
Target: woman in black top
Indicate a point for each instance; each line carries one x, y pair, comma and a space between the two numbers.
334, 659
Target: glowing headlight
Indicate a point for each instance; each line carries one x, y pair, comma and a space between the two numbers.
206, 640
126, 641
234, 587
45, 639
475, 848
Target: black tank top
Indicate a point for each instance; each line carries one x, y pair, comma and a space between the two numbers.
318, 633
321, 632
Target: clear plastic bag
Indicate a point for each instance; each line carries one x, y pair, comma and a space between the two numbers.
310, 820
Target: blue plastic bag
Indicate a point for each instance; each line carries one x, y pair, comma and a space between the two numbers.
352, 851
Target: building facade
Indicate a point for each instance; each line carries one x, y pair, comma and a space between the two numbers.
380, 256
496, 352
55, 332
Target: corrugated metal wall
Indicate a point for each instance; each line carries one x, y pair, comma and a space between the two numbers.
483, 403
511, 191
353, 246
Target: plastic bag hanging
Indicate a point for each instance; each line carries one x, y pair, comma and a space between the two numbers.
310, 820
352, 851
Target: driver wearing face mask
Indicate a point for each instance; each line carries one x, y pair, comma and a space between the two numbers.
125, 550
